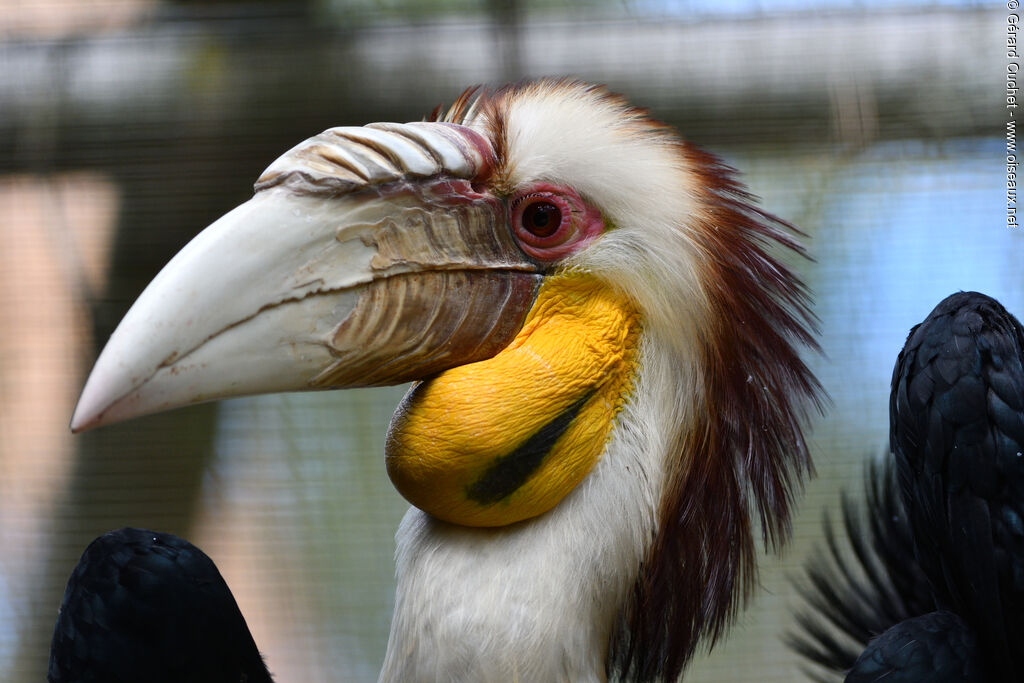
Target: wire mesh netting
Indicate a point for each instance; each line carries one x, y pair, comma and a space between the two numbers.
126, 127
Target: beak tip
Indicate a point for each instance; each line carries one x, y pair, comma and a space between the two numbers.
99, 400
82, 423
87, 415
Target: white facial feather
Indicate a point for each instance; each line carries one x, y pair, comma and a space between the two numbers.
632, 170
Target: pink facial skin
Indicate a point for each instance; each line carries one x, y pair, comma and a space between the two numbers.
551, 222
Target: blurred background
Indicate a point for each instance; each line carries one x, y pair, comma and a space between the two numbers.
126, 126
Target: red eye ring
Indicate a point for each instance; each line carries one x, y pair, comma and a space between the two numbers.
540, 218
551, 222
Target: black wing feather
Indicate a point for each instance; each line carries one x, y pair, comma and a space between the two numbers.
143, 606
858, 589
957, 433
938, 589
937, 647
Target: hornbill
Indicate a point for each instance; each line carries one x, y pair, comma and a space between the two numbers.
149, 607
938, 589
609, 397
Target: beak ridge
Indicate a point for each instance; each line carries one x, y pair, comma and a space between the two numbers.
368, 256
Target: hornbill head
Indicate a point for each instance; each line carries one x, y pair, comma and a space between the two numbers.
571, 283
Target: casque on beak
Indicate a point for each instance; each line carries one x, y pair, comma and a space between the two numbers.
368, 256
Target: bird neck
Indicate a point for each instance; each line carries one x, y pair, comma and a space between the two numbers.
540, 599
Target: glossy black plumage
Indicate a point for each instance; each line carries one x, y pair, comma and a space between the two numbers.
867, 581
957, 434
143, 606
954, 608
937, 647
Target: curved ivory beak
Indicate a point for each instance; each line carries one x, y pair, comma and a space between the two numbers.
368, 256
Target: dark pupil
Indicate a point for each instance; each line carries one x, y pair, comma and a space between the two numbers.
542, 219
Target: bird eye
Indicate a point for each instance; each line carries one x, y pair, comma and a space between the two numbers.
541, 218
551, 222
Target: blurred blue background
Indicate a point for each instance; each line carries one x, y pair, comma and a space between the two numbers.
127, 126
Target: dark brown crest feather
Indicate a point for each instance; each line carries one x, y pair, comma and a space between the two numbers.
744, 460
459, 109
